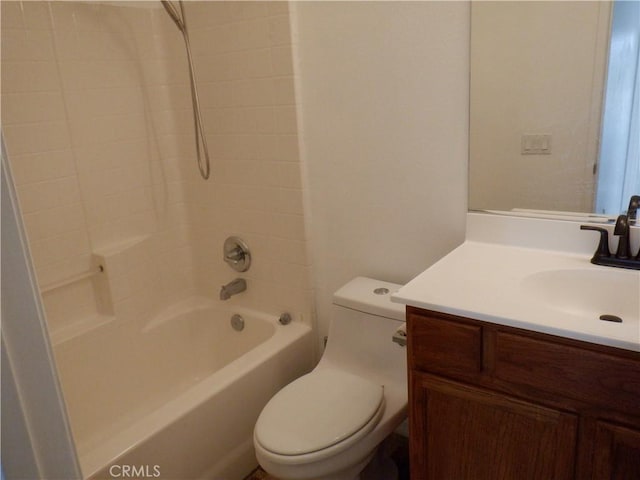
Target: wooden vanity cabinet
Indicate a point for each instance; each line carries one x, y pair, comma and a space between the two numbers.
493, 402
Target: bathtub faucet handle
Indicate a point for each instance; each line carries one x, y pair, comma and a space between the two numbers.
236, 253
234, 256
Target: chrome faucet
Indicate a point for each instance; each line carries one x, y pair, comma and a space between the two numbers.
233, 288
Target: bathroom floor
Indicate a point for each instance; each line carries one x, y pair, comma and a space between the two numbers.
399, 448
260, 474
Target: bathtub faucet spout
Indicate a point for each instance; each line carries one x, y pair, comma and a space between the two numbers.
233, 288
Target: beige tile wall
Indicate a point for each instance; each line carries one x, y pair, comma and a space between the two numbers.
243, 60
96, 113
40, 148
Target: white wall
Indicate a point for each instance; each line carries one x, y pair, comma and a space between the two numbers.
383, 95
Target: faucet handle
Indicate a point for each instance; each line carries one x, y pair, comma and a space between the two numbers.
634, 204
236, 253
603, 245
622, 230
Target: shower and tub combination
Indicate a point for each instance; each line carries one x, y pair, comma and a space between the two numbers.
183, 393
155, 370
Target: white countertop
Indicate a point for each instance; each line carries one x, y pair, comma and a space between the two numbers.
506, 285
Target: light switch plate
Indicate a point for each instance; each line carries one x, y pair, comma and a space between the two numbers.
536, 144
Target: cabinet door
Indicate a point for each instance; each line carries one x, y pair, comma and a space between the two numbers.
460, 432
617, 453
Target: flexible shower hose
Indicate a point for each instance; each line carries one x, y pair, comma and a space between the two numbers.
180, 21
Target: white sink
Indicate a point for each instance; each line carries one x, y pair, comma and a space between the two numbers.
546, 291
588, 292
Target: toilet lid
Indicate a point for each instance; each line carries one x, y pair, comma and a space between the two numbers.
316, 411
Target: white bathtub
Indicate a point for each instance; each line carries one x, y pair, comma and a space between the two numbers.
178, 397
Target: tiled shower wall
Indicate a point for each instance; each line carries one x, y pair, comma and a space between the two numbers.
96, 114
243, 57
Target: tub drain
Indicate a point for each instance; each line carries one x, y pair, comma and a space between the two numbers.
237, 322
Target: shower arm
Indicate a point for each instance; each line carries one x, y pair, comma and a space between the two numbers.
180, 21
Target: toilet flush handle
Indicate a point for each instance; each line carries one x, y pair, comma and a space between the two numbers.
400, 337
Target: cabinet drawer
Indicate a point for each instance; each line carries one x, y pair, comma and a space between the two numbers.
444, 346
569, 371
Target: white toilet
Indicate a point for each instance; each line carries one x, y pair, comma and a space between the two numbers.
328, 424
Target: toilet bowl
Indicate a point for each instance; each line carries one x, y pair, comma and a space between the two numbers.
328, 424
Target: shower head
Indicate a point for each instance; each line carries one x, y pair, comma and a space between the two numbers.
173, 13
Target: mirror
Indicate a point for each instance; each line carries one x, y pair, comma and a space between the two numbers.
539, 93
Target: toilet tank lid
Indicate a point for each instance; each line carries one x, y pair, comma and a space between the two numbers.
371, 296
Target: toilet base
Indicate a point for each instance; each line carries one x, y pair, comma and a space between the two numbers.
350, 473
378, 465
381, 467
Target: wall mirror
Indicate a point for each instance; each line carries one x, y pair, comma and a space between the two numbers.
554, 106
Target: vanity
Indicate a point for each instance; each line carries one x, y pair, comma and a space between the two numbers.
523, 357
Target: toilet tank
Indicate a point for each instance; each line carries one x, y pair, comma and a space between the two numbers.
362, 325
372, 296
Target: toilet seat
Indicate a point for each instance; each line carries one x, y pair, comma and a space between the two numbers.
318, 411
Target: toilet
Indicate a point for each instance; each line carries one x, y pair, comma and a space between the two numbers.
328, 424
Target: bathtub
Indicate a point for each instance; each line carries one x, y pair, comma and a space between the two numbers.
177, 397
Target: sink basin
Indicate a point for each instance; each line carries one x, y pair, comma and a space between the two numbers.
533, 275
587, 292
